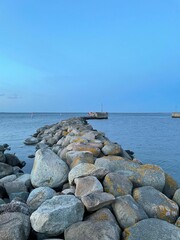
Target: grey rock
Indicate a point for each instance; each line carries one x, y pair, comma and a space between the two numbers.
13, 160
20, 195
14, 225
2, 157
156, 204
9, 178
178, 222
5, 170
117, 185
97, 200
48, 169
15, 187
56, 214
170, 186
176, 196
112, 149
152, 229
86, 185
100, 225
31, 141
128, 211
38, 196
15, 206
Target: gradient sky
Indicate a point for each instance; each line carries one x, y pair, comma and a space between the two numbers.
74, 55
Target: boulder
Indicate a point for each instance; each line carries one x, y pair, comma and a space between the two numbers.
76, 157
38, 196
100, 225
86, 185
117, 185
9, 178
128, 211
48, 169
112, 149
12, 160
178, 222
87, 147
156, 204
31, 141
170, 186
2, 157
97, 200
86, 169
152, 229
56, 214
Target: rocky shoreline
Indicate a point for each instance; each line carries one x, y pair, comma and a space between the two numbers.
83, 186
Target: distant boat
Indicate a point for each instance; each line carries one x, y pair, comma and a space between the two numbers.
175, 115
97, 115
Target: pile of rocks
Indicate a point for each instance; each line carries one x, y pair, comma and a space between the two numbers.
83, 186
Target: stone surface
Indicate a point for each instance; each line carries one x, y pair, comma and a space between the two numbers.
178, 222
152, 229
76, 157
170, 186
100, 225
15, 187
9, 178
117, 185
156, 204
112, 149
2, 157
48, 169
128, 211
81, 170
56, 214
176, 196
97, 200
31, 141
14, 225
86, 185
38, 196
5, 170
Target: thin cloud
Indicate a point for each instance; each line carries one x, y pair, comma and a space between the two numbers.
2, 94
14, 96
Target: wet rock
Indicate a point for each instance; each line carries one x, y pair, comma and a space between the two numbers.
31, 141
48, 169
117, 185
152, 229
56, 214
97, 200
156, 204
12, 160
100, 225
128, 211
87, 185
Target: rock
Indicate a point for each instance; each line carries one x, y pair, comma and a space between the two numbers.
156, 204
100, 225
178, 222
15, 187
2, 201
112, 149
14, 225
76, 157
6, 179
38, 196
87, 147
12, 160
170, 186
69, 191
86, 185
2, 157
86, 169
31, 141
117, 184
56, 214
128, 211
176, 196
20, 195
5, 170
3, 192
97, 200
152, 229
26, 180
115, 163
48, 169
15, 206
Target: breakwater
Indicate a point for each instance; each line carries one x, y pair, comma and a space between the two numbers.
83, 186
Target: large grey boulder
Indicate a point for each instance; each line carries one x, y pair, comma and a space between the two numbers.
100, 225
112, 149
128, 211
76, 157
48, 169
156, 204
170, 186
152, 229
56, 214
38, 196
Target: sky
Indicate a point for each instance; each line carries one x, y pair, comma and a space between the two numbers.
79, 55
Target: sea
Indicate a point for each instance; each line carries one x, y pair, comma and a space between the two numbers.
153, 137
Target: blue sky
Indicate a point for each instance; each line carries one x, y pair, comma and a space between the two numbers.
74, 55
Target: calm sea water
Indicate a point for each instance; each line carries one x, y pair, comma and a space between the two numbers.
155, 138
